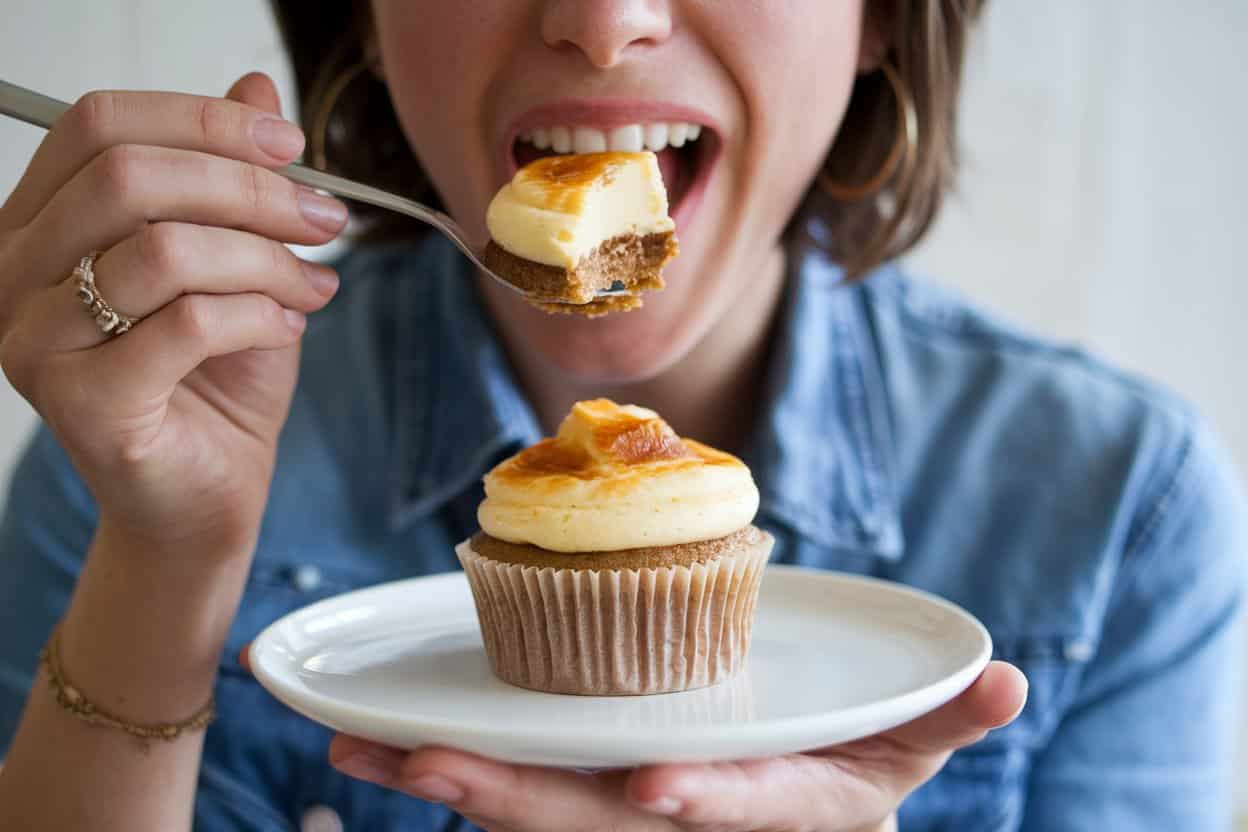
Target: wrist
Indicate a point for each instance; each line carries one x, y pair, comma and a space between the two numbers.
144, 631
191, 548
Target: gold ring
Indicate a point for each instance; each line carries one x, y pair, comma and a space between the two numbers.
109, 320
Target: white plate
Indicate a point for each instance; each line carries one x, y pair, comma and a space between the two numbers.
835, 658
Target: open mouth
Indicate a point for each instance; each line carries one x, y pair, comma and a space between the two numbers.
685, 151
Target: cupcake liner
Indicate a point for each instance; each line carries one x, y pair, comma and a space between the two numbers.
617, 632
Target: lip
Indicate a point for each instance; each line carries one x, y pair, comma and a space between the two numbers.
606, 113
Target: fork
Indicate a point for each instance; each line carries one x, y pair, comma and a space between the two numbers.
41, 111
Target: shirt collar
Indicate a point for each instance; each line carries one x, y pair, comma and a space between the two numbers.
821, 452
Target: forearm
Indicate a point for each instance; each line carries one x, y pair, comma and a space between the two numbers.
142, 638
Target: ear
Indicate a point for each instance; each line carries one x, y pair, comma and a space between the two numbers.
875, 40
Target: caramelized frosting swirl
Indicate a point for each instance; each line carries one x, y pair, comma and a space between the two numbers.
559, 209
616, 477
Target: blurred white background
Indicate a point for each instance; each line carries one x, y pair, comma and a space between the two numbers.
1102, 199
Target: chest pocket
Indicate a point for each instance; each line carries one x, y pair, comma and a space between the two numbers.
983, 786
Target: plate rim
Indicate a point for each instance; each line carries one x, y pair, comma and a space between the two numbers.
943, 690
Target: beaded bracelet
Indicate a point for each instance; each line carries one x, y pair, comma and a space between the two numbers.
72, 700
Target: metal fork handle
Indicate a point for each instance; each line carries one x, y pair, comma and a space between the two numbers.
43, 111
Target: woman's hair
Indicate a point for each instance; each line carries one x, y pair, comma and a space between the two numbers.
926, 43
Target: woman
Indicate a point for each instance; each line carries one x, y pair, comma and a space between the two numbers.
228, 460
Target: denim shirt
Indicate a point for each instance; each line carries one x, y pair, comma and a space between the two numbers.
1090, 520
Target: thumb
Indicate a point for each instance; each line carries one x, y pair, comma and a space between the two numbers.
256, 90
992, 701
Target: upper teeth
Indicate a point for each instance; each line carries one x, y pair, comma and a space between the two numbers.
628, 138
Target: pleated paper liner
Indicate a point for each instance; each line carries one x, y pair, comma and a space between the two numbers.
617, 632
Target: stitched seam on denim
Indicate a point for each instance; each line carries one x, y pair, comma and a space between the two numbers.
1033, 647
851, 386
1136, 541
1196, 643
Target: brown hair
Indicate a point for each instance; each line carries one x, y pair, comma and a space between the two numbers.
927, 44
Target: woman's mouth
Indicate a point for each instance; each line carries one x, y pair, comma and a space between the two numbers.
686, 150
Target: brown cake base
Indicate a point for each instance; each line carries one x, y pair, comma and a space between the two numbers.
604, 630
650, 557
632, 260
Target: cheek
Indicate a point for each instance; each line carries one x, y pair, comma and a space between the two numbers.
432, 56
795, 69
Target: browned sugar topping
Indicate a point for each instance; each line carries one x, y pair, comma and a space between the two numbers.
564, 179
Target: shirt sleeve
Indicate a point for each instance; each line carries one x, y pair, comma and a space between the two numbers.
45, 531
1148, 741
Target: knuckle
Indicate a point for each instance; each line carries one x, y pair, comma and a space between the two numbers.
219, 122
93, 115
269, 311
254, 188
164, 247
132, 450
119, 172
193, 318
279, 259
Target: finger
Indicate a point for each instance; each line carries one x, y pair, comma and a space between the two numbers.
149, 361
513, 796
167, 260
128, 186
244, 657
100, 120
794, 791
256, 90
992, 701
366, 760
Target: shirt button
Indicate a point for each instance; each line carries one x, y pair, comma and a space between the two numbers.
306, 578
321, 819
1078, 651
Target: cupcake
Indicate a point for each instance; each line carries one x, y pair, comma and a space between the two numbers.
616, 559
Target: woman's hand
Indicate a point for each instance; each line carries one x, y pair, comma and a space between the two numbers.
856, 786
172, 425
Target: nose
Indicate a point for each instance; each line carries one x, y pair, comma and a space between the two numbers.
605, 30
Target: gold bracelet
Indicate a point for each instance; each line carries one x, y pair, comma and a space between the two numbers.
72, 700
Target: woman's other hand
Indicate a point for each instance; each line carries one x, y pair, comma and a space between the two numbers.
857, 786
173, 424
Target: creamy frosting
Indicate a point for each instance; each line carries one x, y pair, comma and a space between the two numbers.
558, 209
616, 477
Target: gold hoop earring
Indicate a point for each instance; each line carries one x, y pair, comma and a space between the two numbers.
320, 119
901, 156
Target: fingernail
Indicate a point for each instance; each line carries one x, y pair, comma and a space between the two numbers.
435, 788
296, 320
323, 279
324, 212
1011, 717
663, 806
278, 138
365, 766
